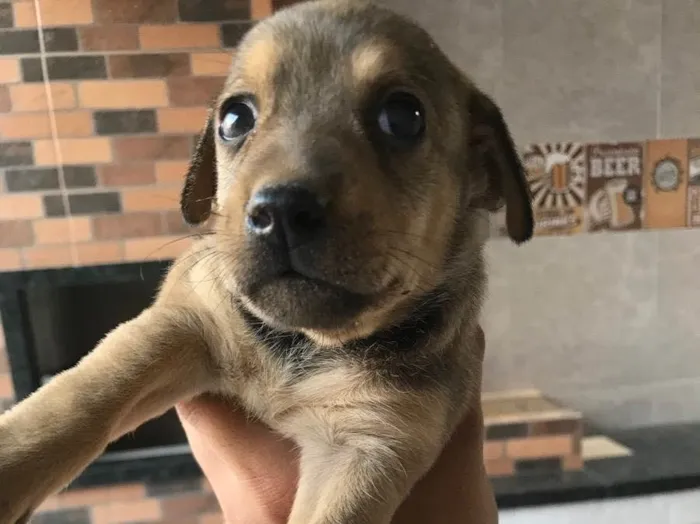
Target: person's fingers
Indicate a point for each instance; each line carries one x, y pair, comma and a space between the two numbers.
252, 470
250, 444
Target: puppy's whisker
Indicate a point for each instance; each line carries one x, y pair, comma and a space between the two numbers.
171, 242
407, 266
399, 234
414, 256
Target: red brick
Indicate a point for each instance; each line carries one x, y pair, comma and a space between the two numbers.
127, 174
100, 252
539, 447
10, 259
175, 224
502, 467
131, 225
131, 511
171, 172
66, 12
16, 233
179, 36
189, 504
194, 91
151, 198
62, 230
5, 102
142, 11
109, 37
152, 148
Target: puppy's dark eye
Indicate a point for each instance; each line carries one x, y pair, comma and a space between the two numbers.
401, 116
237, 120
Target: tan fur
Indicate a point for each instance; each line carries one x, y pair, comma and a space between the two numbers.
369, 418
371, 60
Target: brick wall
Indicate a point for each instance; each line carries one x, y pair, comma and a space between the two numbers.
100, 101
190, 502
108, 130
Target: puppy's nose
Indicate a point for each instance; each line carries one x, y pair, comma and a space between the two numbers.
290, 214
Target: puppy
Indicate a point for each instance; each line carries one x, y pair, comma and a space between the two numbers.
345, 173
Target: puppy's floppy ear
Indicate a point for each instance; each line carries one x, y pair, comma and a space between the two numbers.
492, 147
197, 196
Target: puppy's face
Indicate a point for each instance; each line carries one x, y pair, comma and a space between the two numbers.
344, 165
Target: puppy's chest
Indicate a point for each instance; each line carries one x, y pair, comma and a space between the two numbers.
280, 391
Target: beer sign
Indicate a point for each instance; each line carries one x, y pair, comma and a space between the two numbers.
666, 184
556, 175
614, 188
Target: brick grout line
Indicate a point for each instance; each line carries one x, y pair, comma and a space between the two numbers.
119, 52
54, 132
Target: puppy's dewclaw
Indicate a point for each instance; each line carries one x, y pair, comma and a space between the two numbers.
344, 171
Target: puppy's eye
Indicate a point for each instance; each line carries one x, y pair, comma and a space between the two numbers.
401, 116
237, 120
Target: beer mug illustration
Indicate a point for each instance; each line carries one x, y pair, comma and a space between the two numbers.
560, 176
608, 204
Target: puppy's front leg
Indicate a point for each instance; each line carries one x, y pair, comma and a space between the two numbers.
360, 467
137, 372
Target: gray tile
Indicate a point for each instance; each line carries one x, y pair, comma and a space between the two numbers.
19, 42
469, 31
79, 176
125, 122
31, 179
232, 33
94, 203
83, 204
6, 16
31, 70
65, 516
650, 403
60, 39
580, 309
54, 206
213, 10
680, 79
47, 178
581, 70
679, 297
65, 68
16, 154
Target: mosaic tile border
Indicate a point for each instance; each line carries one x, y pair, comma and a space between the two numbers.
617, 186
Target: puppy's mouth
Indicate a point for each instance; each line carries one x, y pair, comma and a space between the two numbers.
296, 299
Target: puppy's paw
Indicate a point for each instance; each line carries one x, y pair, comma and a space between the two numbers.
19, 482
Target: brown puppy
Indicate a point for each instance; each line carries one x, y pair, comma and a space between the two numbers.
346, 168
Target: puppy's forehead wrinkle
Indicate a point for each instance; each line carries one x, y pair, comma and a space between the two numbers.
309, 49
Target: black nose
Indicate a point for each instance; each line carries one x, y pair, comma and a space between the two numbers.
290, 214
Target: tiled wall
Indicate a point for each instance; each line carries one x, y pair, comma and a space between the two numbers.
189, 502
99, 104
605, 323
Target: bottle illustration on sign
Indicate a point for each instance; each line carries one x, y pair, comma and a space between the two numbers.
615, 185
556, 175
